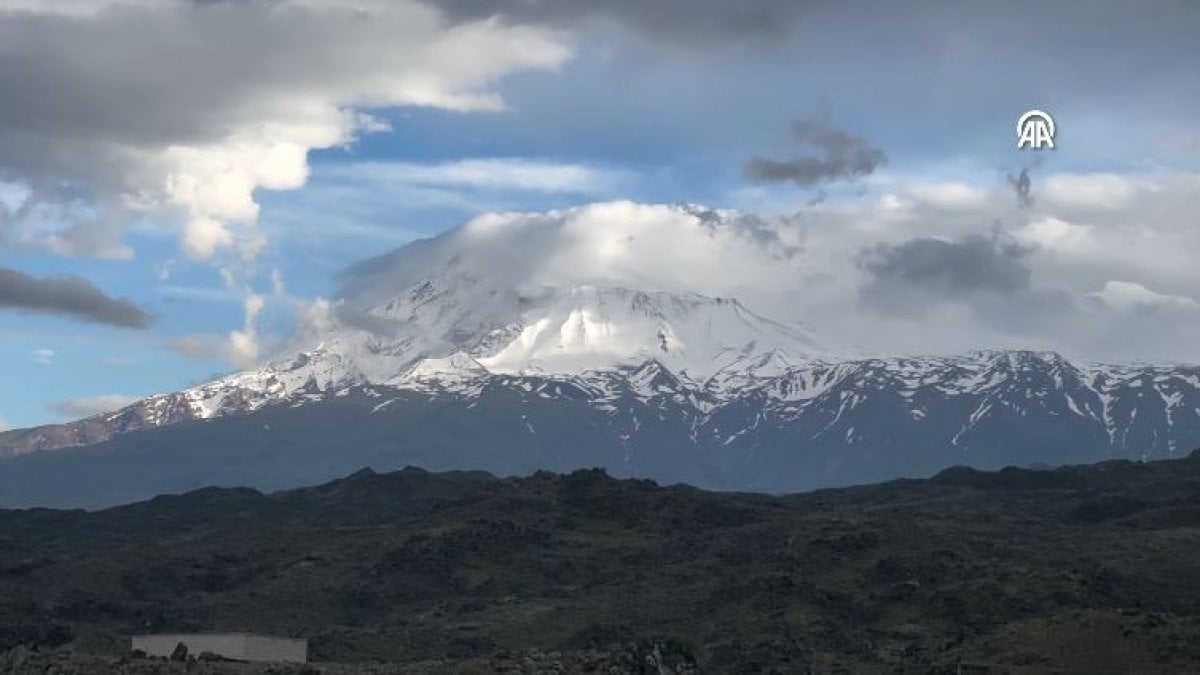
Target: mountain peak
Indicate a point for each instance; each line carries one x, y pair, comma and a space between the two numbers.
459, 327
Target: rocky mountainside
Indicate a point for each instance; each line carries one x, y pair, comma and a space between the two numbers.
1078, 569
816, 425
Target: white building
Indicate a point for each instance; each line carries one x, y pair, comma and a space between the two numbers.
238, 646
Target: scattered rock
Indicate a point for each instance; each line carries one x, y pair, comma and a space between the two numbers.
15, 658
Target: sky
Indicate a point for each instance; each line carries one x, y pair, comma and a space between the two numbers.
183, 181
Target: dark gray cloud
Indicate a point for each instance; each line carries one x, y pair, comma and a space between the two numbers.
688, 23
844, 156
761, 231
1022, 185
989, 275
908, 276
67, 296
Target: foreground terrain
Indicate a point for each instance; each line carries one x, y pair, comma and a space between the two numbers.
1079, 569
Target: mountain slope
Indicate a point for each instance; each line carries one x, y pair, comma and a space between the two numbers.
815, 426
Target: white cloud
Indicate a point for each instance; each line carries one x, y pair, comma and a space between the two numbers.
204, 236
951, 195
1054, 233
87, 406
43, 356
277, 285
486, 174
645, 246
116, 110
314, 318
223, 102
4, 426
1127, 296
1088, 191
244, 345
808, 267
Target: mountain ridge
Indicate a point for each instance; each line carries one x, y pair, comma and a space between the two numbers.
818, 425
976, 371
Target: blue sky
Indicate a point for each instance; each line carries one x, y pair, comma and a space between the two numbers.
620, 114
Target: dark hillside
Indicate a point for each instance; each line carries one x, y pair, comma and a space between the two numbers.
1079, 569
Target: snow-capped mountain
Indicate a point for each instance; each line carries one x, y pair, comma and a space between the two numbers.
439, 337
429, 331
439, 356
809, 425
